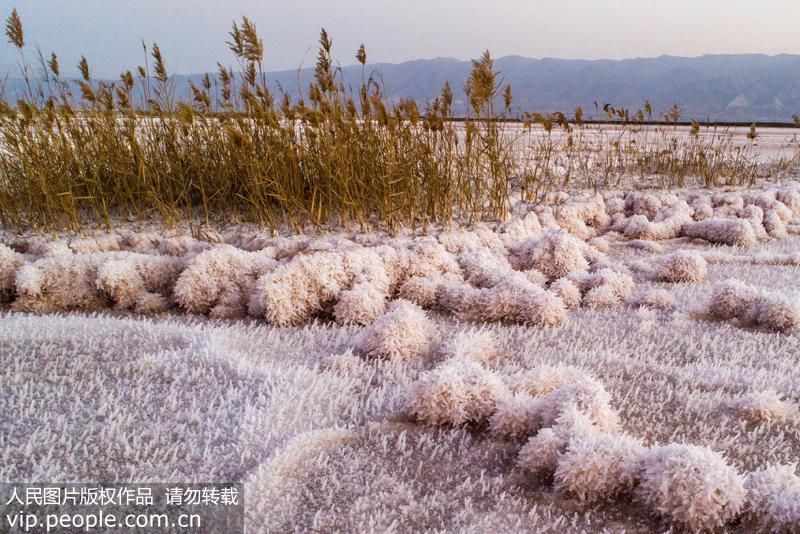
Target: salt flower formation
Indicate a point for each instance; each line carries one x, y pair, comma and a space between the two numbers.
529, 270
541, 267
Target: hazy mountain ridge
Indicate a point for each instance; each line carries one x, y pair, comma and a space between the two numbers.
720, 87
736, 87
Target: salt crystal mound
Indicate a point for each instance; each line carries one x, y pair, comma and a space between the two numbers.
587, 456
600, 467
693, 486
516, 416
457, 392
404, 331
570, 436
10, 261
764, 406
532, 269
682, 266
218, 281
737, 232
96, 280
604, 287
736, 300
773, 498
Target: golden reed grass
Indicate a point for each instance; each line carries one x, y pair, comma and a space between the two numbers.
78, 152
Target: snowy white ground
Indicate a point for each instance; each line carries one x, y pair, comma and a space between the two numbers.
324, 437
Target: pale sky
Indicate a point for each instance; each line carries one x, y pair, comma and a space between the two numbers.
192, 33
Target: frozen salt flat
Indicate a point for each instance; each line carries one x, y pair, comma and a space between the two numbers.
626, 362
770, 141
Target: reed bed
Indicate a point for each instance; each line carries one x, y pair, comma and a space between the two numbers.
76, 153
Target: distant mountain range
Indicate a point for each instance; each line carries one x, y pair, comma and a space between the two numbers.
737, 87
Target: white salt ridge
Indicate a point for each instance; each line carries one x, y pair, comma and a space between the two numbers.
529, 270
